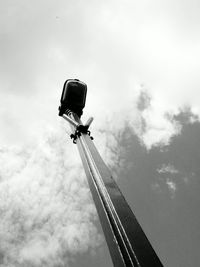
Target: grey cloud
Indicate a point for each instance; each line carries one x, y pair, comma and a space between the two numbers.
162, 201
144, 101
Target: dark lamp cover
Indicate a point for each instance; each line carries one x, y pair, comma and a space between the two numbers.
73, 96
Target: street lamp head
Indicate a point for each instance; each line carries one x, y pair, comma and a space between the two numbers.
73, 97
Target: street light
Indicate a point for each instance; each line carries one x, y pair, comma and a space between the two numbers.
73, 97
127, 243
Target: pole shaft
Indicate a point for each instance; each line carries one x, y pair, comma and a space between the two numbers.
127, 243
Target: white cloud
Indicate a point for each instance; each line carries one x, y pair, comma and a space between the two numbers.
159, 129
47, 214
172, 187
151, 121
167, 168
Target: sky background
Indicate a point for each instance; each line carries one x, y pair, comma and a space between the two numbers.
141, 62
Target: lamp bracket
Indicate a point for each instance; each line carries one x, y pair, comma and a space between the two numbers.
81, 129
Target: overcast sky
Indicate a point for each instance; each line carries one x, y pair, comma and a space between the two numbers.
141, 62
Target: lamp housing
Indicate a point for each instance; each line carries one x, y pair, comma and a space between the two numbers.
73, 97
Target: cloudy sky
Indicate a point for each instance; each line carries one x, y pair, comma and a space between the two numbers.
141, 62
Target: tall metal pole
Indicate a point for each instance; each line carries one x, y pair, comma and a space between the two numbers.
127, 243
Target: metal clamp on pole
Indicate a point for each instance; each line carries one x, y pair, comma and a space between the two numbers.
127, 243
79, 128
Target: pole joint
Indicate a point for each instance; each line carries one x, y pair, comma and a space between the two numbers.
79, 128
